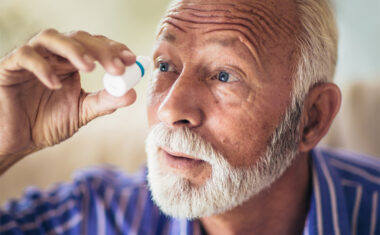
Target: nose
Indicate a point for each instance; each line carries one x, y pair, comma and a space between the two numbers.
181, 106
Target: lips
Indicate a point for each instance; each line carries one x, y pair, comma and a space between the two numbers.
179, 160
179, 155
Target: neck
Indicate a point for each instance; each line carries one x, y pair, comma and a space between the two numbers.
280, 209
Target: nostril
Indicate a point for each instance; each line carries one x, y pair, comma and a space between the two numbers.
183, 122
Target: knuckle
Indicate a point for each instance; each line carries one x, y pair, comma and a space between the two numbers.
78, 34
48, 32
42, 36
24, 51
101, 37
82, 33
113, 44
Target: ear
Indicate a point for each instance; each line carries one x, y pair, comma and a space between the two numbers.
320, 108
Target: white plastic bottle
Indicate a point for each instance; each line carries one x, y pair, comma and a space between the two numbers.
120, 85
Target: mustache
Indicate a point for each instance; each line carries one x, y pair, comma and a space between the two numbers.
183, 140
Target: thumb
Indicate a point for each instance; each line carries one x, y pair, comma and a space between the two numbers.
101, 103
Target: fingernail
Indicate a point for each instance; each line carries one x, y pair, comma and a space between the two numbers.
88, 59
117, 61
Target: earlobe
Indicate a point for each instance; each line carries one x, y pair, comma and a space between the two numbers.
320, 108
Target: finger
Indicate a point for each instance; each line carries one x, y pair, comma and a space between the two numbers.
112, 55
27, 58
101, 103
121, 50
128, 57
65, 47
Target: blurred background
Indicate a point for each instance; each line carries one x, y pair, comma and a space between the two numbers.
118, 139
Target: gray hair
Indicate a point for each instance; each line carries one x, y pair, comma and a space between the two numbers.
317, 44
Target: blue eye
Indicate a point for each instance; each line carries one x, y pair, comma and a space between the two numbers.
164, 67
223, 76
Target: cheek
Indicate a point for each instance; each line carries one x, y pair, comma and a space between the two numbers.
244, 130
230, 94
241, 133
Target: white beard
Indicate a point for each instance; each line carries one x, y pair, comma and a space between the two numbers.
228, 187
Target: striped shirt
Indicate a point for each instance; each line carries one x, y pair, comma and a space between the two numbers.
344, 200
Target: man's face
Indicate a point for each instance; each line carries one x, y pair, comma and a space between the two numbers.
223, 70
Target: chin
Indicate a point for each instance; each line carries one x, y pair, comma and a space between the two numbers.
176, 194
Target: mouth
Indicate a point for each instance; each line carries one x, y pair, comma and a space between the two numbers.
180, 161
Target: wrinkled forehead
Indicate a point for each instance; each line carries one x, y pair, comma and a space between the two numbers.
255, 19
259, 24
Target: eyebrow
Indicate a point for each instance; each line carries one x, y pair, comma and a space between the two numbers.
169, 37
225, 42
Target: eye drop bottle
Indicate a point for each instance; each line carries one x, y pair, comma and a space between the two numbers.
120, 85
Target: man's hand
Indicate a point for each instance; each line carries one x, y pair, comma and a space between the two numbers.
41, 99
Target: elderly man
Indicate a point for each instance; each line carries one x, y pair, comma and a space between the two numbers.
242, 93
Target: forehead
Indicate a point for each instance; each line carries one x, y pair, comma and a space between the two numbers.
259, 25
273, 15
257, 20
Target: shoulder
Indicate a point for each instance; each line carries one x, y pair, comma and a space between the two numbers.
92, 195
83, 180
350, 167
349, 187
349, 183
